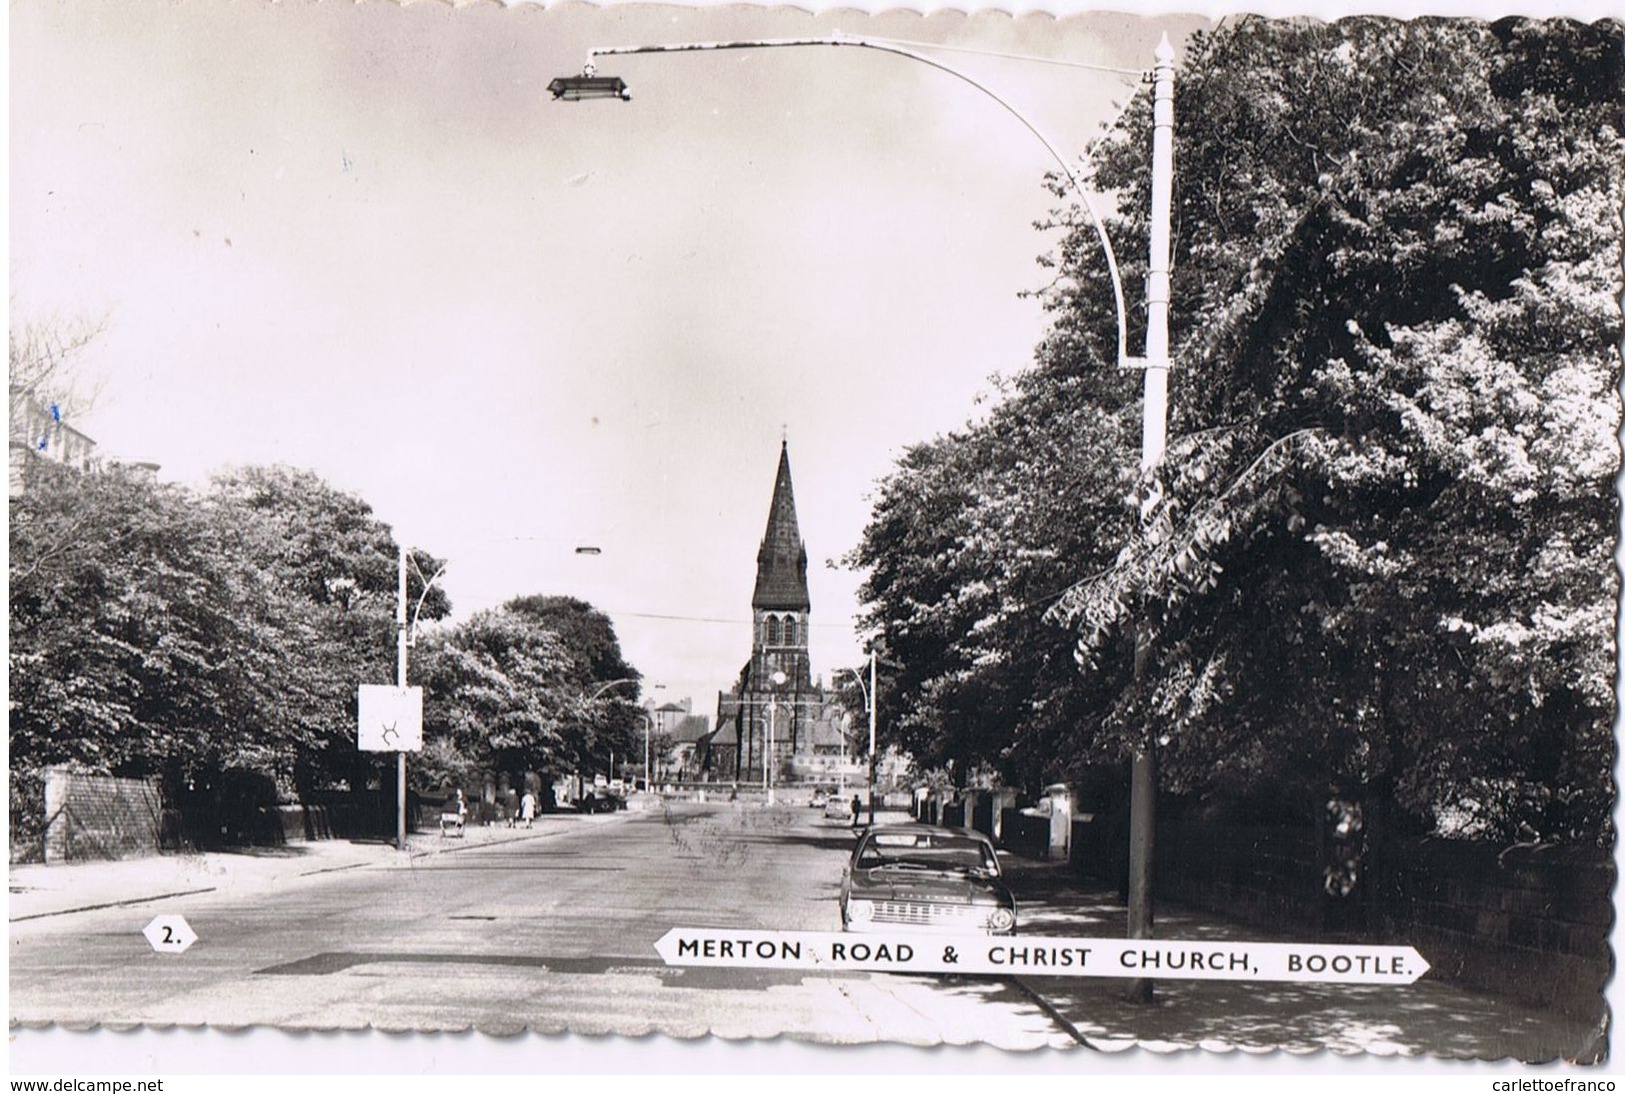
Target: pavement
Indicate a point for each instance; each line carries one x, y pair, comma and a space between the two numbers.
1432, 1017
38, 890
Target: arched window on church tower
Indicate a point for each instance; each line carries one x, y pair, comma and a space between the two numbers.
772, 630
790, 631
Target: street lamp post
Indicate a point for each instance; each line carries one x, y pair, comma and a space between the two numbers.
648, 730
777, 679
648, 740
869, 703
873, 758
400, 682
1155, 363
1153, 441
403, 641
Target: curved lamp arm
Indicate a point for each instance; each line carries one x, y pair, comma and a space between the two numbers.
612, 684
884, 46
858, 676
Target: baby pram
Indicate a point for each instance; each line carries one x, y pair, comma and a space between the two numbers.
452, 814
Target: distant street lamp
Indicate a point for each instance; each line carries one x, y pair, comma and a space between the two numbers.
613, 683
648, 726
1155, 363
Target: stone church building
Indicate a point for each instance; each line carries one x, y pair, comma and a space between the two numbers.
778, 714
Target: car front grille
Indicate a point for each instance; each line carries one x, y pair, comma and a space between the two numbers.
920, 914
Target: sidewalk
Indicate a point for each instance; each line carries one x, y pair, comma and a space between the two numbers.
38, 890
1432, 1017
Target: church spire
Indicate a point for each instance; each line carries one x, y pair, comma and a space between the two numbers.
781, 563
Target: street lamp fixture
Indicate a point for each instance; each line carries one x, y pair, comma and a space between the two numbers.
573, 89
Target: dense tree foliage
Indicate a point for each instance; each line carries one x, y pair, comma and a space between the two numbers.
1377, 557
136, 642
158, 631
523, 687
328, 570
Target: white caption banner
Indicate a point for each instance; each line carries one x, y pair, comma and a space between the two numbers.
1038, 956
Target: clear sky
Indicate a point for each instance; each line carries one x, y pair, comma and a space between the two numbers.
362, 239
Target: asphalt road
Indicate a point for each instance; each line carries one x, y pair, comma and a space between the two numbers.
550, 933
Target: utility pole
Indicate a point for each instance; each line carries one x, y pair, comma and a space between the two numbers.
1154, 438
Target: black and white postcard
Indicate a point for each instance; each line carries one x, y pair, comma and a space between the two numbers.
1079, 536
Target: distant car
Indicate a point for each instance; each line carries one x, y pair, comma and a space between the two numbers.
601, 799
917, 877
837, 807
820, 798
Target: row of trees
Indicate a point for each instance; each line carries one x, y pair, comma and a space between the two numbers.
528, 686
1377, 559
193, 635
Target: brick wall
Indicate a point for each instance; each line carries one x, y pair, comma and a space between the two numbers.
1531, 922
1526, 922
99, 816
1257, 874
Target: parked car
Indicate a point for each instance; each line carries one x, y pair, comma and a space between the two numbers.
919, 877
601, 799
820, 798
837, 807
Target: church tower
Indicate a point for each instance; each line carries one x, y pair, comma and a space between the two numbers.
780, 605
776, 727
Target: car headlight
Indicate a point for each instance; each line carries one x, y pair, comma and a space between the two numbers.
860, 910
1001, 919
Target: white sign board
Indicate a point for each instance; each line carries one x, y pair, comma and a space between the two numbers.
1025, 955
390, 718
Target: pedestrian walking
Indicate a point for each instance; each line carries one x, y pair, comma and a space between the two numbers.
527, 808
857, 806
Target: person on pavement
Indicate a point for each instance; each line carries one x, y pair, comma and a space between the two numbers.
527, 808
857, 806
453, 813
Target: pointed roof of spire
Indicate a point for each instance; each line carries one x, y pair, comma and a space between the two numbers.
781, 563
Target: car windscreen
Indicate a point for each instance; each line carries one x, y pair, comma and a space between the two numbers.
926, 850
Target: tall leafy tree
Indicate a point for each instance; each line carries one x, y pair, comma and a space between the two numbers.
512, 689
972, 538
327, 569
159, 632
139, 643
1399, 252
1376, 555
